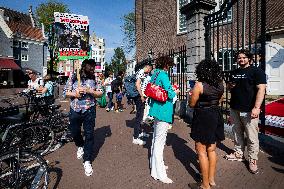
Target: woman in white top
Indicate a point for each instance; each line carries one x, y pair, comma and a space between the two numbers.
109, 93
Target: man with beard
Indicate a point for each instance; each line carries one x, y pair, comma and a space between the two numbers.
82, 92
247, 87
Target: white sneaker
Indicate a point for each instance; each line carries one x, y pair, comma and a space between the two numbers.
80, 153
138, 141
143, 134
112, 108
88, 168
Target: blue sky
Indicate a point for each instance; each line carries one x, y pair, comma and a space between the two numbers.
104, 15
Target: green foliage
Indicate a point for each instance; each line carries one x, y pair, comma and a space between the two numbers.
118, 61
45, 15
45, 12
128, 29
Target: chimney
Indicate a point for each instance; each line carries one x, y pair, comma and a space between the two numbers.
32, 16
2, 13
42, 30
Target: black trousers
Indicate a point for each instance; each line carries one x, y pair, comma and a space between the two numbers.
139, 115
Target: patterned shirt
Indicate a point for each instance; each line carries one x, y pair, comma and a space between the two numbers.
145, 79
87, 100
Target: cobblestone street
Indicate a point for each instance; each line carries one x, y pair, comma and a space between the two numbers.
120, 164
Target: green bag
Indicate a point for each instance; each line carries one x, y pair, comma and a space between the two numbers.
102, 101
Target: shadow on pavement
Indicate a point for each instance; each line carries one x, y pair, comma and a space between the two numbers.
224, 148
100, 135
184, 154
277, 160
130, 123
275, 148
56, 174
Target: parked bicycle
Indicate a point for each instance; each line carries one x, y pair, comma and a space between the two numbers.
19, 167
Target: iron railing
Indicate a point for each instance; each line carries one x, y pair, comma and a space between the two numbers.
178, 73
238, 24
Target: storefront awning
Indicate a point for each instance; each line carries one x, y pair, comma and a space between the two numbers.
8, 64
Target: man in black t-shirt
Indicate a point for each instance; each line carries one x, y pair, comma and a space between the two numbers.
247, 85
116, 87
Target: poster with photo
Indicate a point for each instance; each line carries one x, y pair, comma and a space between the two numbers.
72, 33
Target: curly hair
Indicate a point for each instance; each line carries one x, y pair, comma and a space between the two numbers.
163, 61
209, 71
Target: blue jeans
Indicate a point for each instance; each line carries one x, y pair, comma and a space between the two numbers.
110, 97
139, 115
88, 120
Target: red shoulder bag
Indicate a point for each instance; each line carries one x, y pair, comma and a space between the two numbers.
156, 92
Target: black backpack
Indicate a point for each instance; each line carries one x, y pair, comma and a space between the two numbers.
115, 85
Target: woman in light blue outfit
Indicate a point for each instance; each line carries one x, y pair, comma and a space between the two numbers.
163, 114
47, 90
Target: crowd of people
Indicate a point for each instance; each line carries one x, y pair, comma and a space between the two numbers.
247, 85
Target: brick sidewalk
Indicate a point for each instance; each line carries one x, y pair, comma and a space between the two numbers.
121, 165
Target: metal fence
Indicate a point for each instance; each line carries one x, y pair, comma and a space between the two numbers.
238, 24
178, 73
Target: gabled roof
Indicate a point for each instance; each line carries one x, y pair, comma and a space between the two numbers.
21, 23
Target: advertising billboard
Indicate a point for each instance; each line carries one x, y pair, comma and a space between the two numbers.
72, 34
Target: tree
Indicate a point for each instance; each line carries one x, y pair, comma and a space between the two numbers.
45, 12
118, 61
128, 29
45, 15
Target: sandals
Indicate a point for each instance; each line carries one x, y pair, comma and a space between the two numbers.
236, 156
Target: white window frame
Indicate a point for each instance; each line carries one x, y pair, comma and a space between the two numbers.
25, 46
24, 57
231, 64
16, 57
230, 12
179, 16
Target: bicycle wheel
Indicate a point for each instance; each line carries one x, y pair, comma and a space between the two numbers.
30, 136
21, 169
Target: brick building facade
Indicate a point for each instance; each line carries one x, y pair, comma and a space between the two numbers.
157, 27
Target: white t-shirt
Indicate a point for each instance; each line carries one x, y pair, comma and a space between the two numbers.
108, 84
36, 83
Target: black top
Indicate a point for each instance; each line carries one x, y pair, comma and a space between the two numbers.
211, 95
115, 84
243, 95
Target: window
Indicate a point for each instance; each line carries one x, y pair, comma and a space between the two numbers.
226, 59
25, 57
229, 13
181, 20
180, 65
25, 45
16, 57
15, 43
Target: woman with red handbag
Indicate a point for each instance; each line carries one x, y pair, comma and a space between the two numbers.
162, 111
